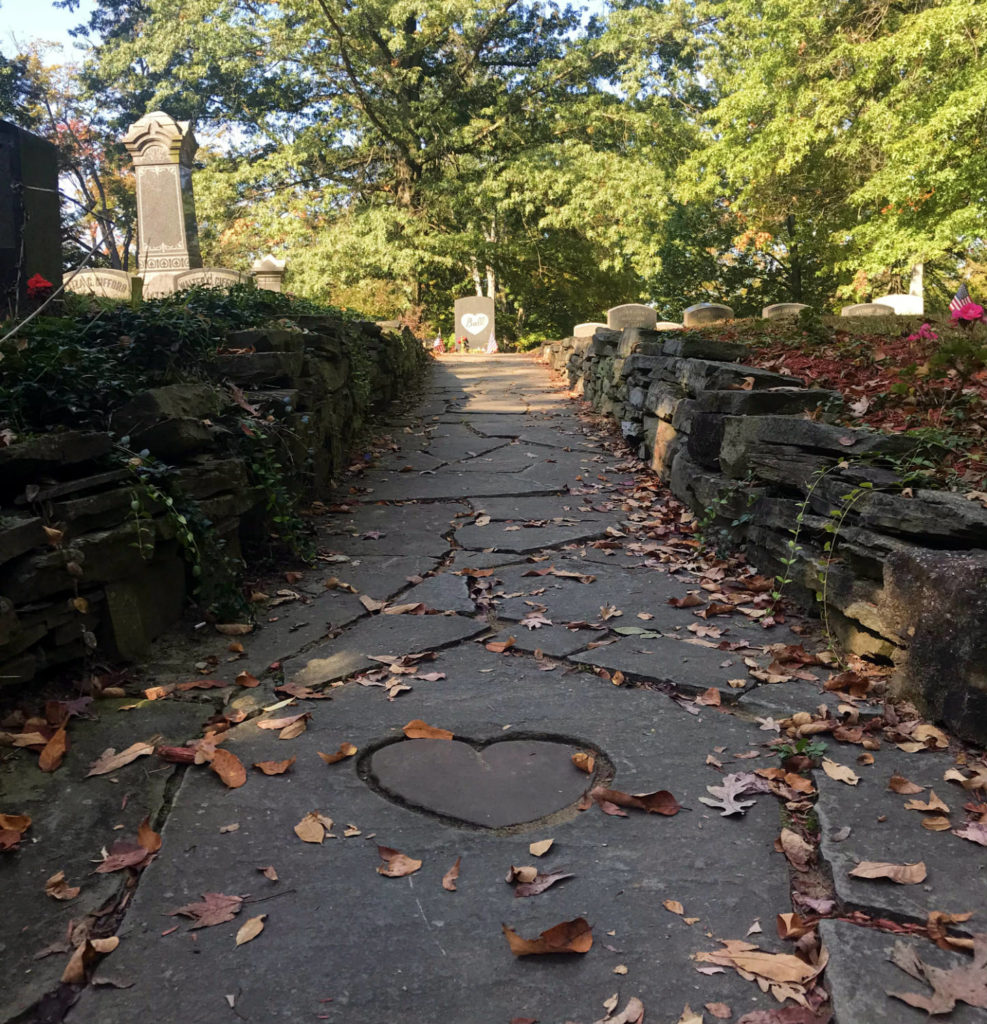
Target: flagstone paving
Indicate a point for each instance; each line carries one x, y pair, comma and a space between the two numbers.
529, 564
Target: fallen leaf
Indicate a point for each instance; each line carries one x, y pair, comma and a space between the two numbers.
227, 829
975, 831
574, 936
720, 1010
345, 750
214, 908
840, 772
269, 872
540, 848
229, 768
370, 603
414, 608
966, 983
416, 729
247, 680
200, 684
584, 762
781, 968
540, 883
899, 784
632, 1013
234, 628
499, 646
903, 874
250, 929
709, 698
689, 1016
124, 853
283, 722
526, 873
110, 760
396, 864
659, 802
449, 878
296, 728
674, 906
619, 969
274, 767
726, 797
58, 889
936, 823
937, 924
147, 837
931, 736
755, 928
313, 827
796, 849
932, 804
53, 754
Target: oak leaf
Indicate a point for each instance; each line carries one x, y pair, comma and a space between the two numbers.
214, 908
965, 984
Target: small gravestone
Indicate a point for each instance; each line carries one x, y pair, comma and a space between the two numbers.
30, 228
706, 313
106, 284
781, 310
162, 150
209, 277
631, 314
903, 305
269, 273
867, 309
668, 325
586, 330
475, 320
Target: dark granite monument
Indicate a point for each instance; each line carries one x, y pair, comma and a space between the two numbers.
475, 320
30, 228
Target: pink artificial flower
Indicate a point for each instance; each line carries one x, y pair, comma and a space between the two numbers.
38, 287
925, 333
968, 313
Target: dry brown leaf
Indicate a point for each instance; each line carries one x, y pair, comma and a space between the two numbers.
632, 1013
110, 760
689, 1016
540, 883
229, 768
966, 983
936, 823
84, 956
932, 804
214, 908
124, 853
283, 722
416, 729
274, 767
396, 864
526, 873
584, 762
247, 680
345, 750
313, 828
899, 784
710, 697
574, 936
147, 837
58, 889
796, 849
269, 872
840, 772
449, 878
499, 646
937, 924
234, 628
370, 604
250, 929
50, 759
931, 736
720, 1010
780, 968
674, 906
659, 802
540, 848
903, 874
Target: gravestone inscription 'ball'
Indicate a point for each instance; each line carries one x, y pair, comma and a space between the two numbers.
475, 320
631, 314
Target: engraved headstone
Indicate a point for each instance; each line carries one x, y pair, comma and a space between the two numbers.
475, 320
903, 305
706, 313
781, 310
210, 277
269, 273
586, 330
162, 150
30, 229
631, 314
106, 284
867, 309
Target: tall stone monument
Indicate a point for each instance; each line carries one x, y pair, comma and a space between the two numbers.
162, 150
475, 320
30, 228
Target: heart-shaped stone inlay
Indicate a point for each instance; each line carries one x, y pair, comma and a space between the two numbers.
473, 323
505, 782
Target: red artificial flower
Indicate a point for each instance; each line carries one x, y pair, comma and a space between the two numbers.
38, 287
968, 313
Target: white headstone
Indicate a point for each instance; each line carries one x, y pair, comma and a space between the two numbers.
106, 284
903, 305
209, 277
586, 330
706, 313
631, 314
867, 309
781, 310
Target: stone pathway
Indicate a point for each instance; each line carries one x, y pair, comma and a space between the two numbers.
546, 572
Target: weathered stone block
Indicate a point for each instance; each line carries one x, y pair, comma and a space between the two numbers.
667, 444
207, 476
144, 605
687, 347
49, 453
267, 339
928, 515
705, 439
698, 375
18, 534
776, 402
938, 600
251, 369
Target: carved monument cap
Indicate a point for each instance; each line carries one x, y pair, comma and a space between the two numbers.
157, 138
269, 273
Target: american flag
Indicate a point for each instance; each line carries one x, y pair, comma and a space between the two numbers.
960, 299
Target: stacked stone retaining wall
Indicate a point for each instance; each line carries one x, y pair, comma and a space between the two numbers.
899, 571
82, 572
